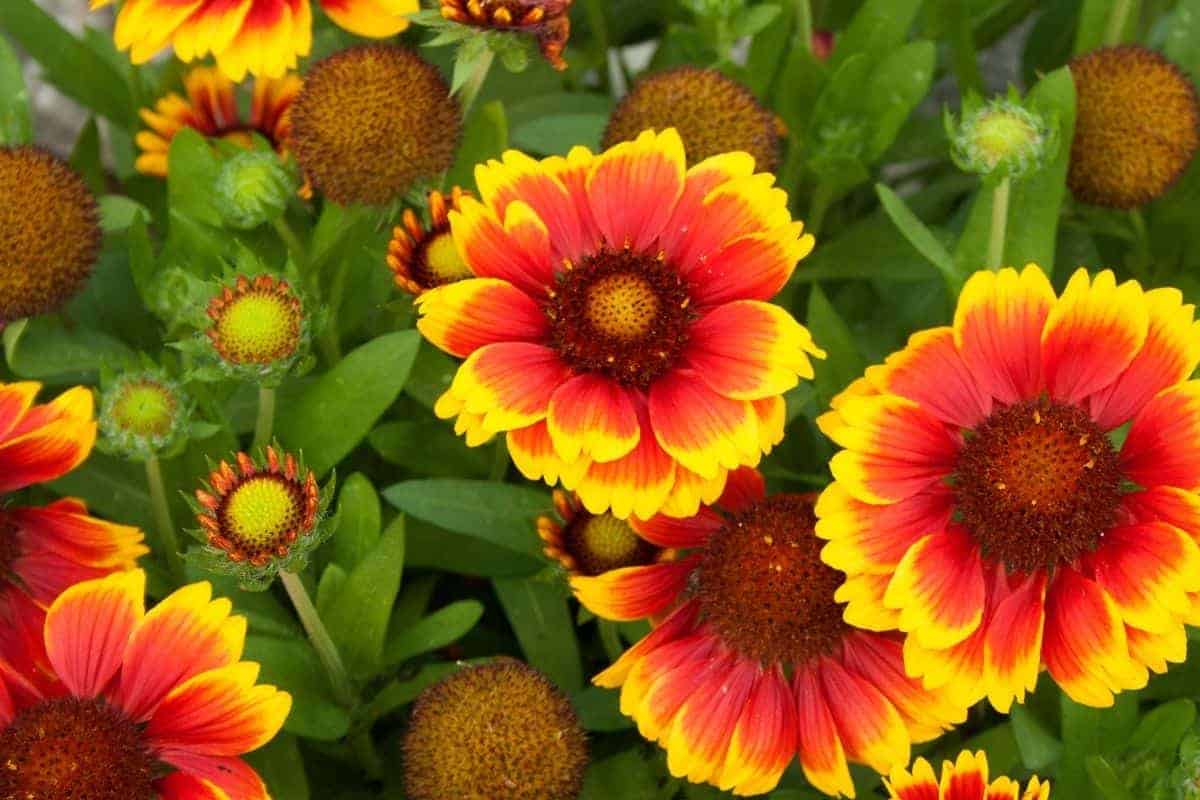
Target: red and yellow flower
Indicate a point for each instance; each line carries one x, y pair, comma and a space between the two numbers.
211, 108
754, 664
424, 256
262, 37
965, 779
1019, 489
617, 329
112, 702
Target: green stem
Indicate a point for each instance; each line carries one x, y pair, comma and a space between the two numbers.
804, 26
327, 651
995, 251
822, 197
1141, 261
368, 756
330, 341
162, 517
1116, 22
470, 90
599, 25
265, 424
294, 245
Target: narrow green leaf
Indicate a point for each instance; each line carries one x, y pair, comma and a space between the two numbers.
878, 27
86, 158
16, 118
1090, 33
599, 709
1105, 780
500, 513
281, 765
1039, 748
360, 519
430, 447
1162, 727
400, 693
627, 775
899, 82
358, 619
537, 611
436, 548
1183, 37
333, 580
292, 664
485, 136
917, 234
442, 627
1088, 732
337, 411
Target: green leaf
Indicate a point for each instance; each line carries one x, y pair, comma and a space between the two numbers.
1092, 731
360, 519
292, 664
844, 362
537, 611
556, 134
281, 765
88, 162
400, 693
878, 27
755, 19
1039, 748
430, 447
599, 709
435, 548
898, 84
485, 136
499, 513
16, 118
336, 412
919, 236
1091, 31
48, 348
627, 776
1105, 780
358, 619
333, 580
442, 627
1183, 37
431, 375
1162, 727
117, 213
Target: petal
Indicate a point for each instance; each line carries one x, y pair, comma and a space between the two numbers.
753, 267
15, 400
1012, 649
699, 739
462, 317
1085, 648
679, 624
87, 629
744, 487
633, 593
1092, 334
1036, 790
218, 713
517, 177
48, 441
772, 419
635, 485
702, 179
234, 777
533, 453
270, 40
1169, 356
1161, 447
701, 429
672, 532
509, 383
594, 417
873, 539
1177, 507
748, 350
955, 673
517, 251
1003, 788
23, 662
377, 19
922, 784
634, 186
894, 449
967, 780
691, 491
938, 588
1149, 570
863, 597
998, 330
930, 372
573, 170
732, 210
764, 739
820, 746
1156, 650
185, 634
868, 725
178, 786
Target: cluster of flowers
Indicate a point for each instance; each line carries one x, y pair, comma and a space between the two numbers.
613, 314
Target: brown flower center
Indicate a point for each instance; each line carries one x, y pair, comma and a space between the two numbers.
1038, 484
761, 583
70, 749
602, 543
621, 313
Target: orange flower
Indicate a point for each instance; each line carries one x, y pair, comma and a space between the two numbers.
110, 702
618, 329
548, 20
966, 779
754, 664
211, 108
262, 37
983, 491
422, 257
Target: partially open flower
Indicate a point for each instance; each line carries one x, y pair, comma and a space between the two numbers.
211, 108
714, 114
424, 256
1136, 129
500, 731
49, 233
964, 779
371, 121
142, 414
548, 20
259, 328
260, 517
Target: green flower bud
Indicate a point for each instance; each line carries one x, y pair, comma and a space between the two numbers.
999, 138
143, 414
253, 188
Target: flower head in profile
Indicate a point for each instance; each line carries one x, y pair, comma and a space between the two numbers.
500, 731
262, 37
258, 517
111, 702
548, 20
1019, 488
423, 256
258, 328
1137, 126
210, 107
965, 779
754, 663
617, 329
714, 114
49, 230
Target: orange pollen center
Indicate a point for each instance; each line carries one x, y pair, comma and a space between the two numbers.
602, 543
1037, 484
762, 585
620, 313
69, 749
262, 516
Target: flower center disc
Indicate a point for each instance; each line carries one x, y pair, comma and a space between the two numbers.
620, 313
145, 408
762, 584
602, 543
443, 261
71, 749
258, 328
1037, 484
262, 515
